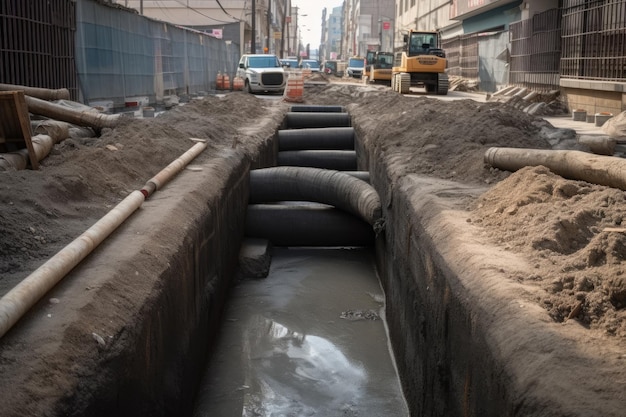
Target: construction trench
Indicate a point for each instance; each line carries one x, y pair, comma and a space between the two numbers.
456, 331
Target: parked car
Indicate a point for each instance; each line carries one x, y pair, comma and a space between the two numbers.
356, 65
290, 63
312, 64
262, 73
334, 67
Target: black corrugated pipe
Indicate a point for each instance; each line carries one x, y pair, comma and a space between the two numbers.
328, 159
317, 108
309, 224
320, 138
302, 120
320, 185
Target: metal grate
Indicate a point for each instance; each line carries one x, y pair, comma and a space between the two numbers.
462, 56
37, 44
536, 51
594, 39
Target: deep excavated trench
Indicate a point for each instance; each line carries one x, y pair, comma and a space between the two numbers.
466, 339
309, 337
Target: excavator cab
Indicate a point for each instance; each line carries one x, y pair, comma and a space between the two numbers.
423, 43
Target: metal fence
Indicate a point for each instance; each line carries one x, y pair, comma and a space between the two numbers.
462, 55
102, 52
536, 51
122, 55
37, 44
594, 40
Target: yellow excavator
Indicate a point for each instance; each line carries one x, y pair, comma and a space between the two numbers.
422, 63
378, 67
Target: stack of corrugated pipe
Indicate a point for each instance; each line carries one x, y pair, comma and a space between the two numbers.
315, 196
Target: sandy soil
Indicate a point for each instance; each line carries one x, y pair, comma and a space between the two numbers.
560, 224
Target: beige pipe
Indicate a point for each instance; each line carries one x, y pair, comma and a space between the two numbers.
78, 117
18, 160
576, 165
601, 145
42, 93
58, 130
42, 145
172, 169
23, 296
14, 161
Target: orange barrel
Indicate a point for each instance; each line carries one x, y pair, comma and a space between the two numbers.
219, 81
295, 88
226, 82
237, 83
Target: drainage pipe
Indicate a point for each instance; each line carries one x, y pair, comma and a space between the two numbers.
50, 132
24, 295
309, 224
328, 159
42, 93
576, 165
90, 118
300, 120
18, 160
317, 108
320, 185
319, 138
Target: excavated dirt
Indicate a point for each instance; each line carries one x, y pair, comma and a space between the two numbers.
570, 230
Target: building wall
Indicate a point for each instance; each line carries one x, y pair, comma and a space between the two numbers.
593, 98
333, 38
496, 18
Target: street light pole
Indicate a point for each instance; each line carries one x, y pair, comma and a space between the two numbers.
253, 42
269, 18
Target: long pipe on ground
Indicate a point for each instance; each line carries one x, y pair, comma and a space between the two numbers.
320, 185
18, 160
576, 165
78, 117
50, 133
42, 93
24, 295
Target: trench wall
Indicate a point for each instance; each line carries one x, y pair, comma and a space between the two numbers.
468, 339
159, 369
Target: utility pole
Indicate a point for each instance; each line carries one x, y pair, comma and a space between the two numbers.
269, 19
253, 42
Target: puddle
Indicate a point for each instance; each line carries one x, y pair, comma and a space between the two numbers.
307, 340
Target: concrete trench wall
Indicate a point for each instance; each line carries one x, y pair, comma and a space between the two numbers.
467, 338
158, 377
160, 367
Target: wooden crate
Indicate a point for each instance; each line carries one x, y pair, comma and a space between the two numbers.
15, 132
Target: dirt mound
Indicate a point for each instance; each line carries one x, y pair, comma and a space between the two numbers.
572, 230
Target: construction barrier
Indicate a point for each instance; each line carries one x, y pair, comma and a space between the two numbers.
238, 83
295, 88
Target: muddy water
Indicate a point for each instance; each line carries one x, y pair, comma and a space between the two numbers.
308, 340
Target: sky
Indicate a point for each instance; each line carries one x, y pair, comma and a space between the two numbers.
312, 33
